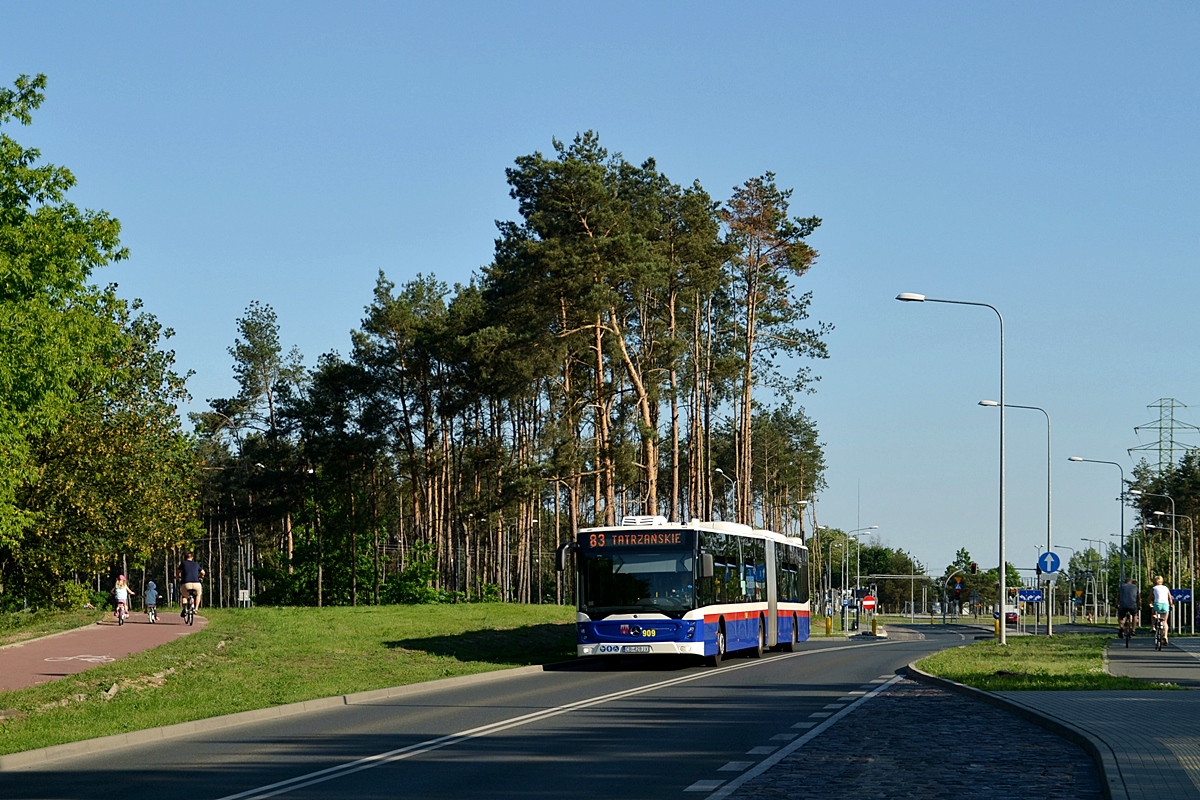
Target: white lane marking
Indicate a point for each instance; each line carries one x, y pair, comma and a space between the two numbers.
858, 691
821, 714
90, 659
736, 766
784, 752
834, 705
802, 725
703, 786
761, 750
784, 737
429, 745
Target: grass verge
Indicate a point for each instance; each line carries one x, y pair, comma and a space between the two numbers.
20, 626
262, 657
1032, 663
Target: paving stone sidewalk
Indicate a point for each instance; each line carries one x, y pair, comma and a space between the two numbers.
1153, 736
918, 741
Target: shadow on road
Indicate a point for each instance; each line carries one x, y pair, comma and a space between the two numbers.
530, 644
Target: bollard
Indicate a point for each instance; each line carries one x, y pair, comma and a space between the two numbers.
931, 619
874, 626
828, 625
997, 629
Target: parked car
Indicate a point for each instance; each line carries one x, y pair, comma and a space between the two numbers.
1011, 615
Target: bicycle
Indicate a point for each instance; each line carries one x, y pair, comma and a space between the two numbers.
152, 614
122, 613
190, 607
1160, 638
1127, 628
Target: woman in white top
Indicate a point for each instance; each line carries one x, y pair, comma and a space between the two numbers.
1162, 603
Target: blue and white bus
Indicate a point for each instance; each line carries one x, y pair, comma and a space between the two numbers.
652, 587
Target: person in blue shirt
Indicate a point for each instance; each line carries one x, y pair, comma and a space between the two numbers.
190, 574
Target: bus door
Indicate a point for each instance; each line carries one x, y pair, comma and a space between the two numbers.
772, 595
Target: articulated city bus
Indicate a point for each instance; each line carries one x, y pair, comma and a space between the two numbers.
650, 587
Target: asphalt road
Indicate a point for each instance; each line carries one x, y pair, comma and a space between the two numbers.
640, 732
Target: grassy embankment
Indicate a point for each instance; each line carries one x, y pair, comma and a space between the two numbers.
262, 657
19, 626
22, 625
1032, 663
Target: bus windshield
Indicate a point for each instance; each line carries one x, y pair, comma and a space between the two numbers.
644, 580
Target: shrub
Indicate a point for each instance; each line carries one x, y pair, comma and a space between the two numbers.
414, 583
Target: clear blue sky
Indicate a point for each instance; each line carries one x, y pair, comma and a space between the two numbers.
1039, 157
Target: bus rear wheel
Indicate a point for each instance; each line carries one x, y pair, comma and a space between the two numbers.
790, 646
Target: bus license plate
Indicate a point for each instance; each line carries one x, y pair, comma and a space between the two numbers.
636, 648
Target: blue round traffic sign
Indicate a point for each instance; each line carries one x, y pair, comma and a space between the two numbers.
1049, 561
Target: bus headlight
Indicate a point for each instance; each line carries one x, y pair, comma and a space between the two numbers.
587, 651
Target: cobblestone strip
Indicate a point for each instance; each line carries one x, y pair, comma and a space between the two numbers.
919, 741
758, 769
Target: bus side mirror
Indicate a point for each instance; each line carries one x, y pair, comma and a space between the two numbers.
564, 551
706, 565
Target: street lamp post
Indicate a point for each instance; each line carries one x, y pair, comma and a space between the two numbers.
910, 297
1100, 563
1171, 563
858, 552
1049, 597
1049, 515
1071, 597
1120, 499
733, 483
846, 576
1191, 564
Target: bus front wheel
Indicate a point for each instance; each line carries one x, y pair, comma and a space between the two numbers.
715, 659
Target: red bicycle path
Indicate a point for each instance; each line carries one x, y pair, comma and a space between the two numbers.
59, 655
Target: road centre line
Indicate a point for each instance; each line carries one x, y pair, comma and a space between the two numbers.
449, 740
784, 752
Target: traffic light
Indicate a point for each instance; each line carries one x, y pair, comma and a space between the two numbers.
974, 568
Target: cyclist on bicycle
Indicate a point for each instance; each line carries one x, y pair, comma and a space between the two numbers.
1162, 601
122, 591
151, 599
1128, 604
190, 575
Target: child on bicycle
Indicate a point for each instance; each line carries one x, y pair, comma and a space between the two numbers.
1162, 601
122, 591
151, 599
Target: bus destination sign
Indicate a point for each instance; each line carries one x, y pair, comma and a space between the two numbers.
608, 539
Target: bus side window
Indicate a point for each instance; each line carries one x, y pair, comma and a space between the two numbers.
760, 570
804, 584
